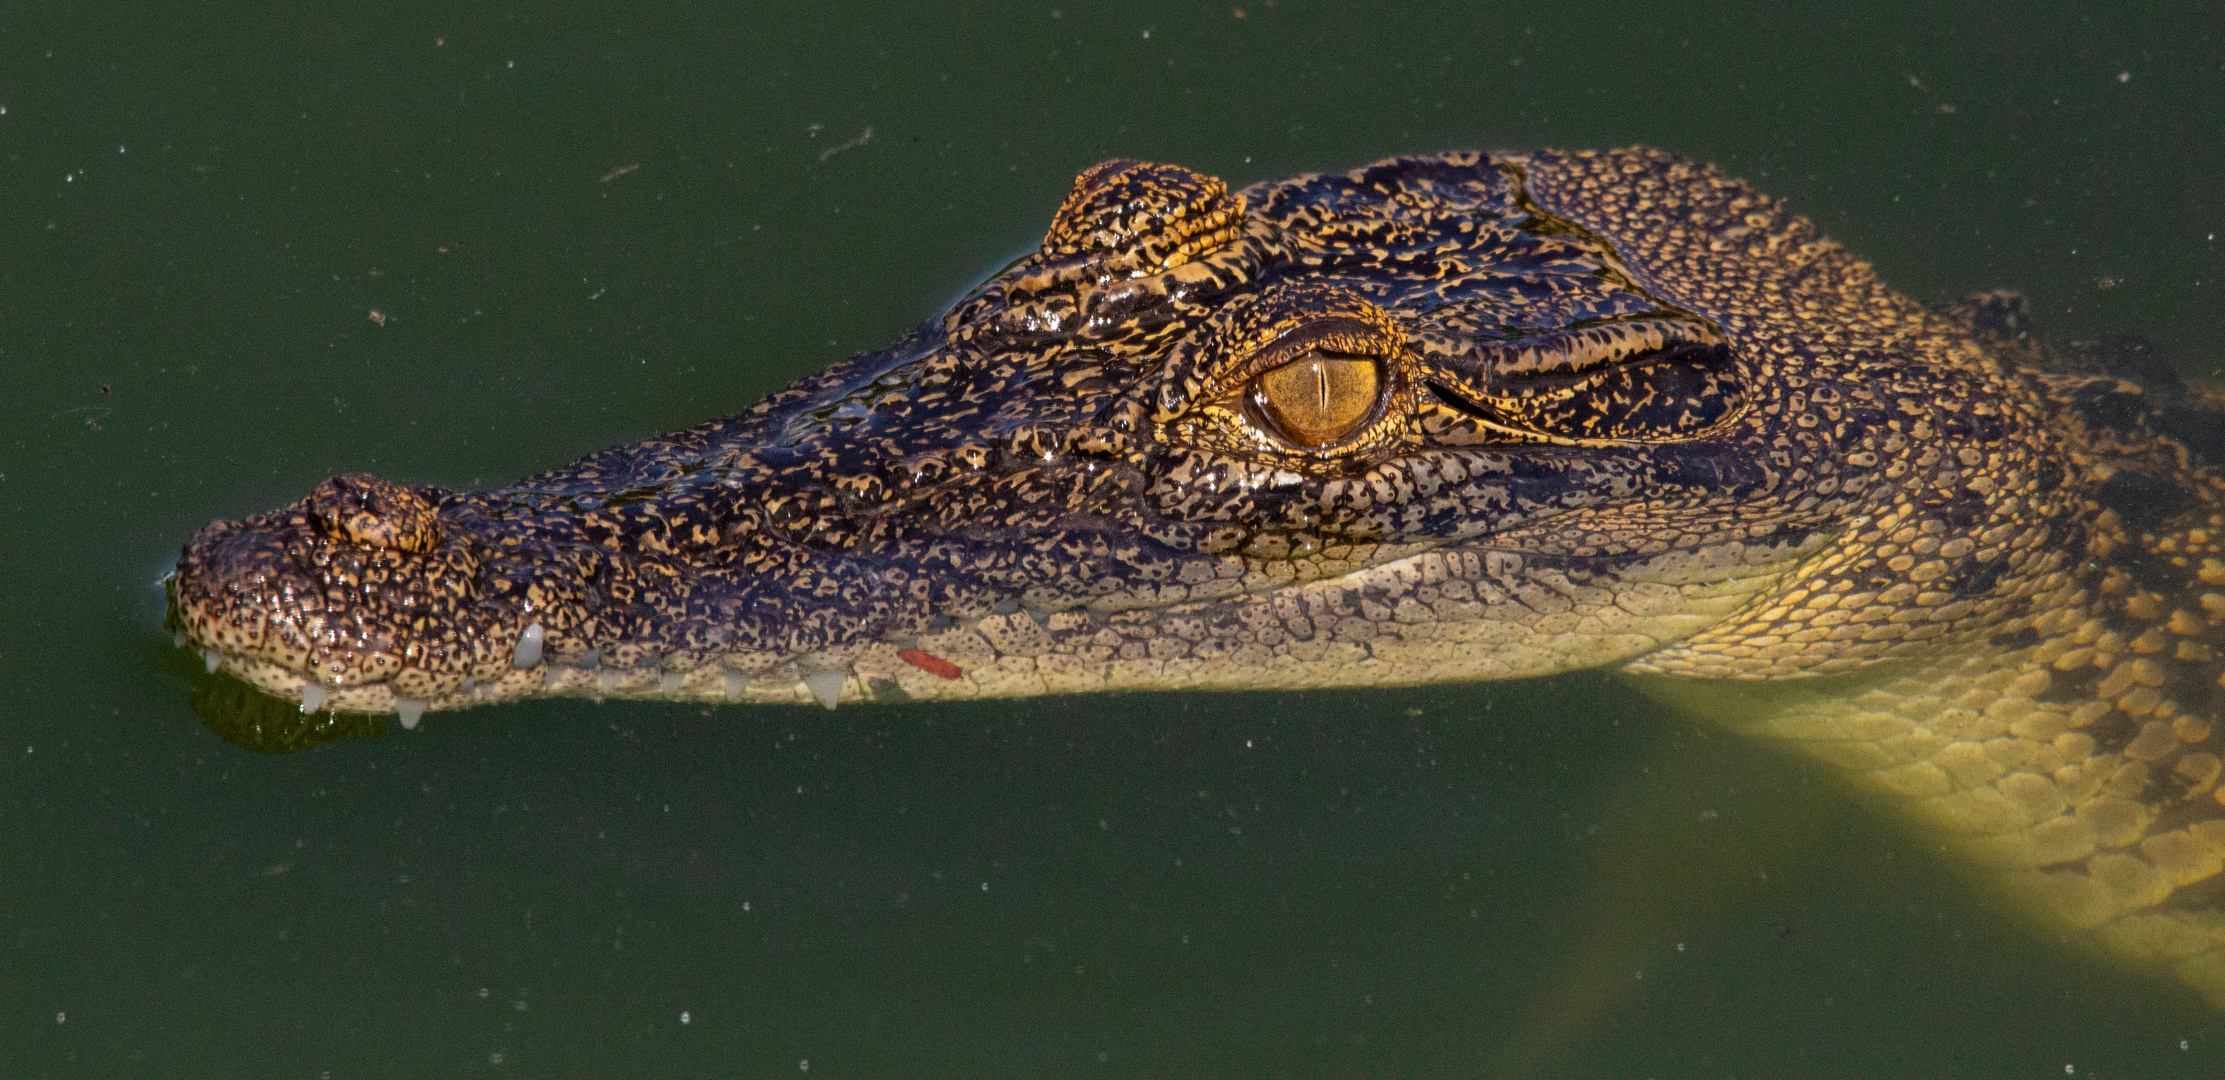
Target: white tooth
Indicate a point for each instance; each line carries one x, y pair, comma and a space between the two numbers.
470, 685
178, 639
825, 685
528, 652
736, 682
608, 680
551, 677
589, 660
412, 711
209, 657
668, 683
312, 697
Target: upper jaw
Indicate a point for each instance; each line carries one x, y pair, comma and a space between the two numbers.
509, 603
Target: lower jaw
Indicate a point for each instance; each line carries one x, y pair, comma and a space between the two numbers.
1022, 654
960, 664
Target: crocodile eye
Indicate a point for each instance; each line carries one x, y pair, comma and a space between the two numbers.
1320, 399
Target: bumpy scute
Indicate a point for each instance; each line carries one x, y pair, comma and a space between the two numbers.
1143, 217
363, 509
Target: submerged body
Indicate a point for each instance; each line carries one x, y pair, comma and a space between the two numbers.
1453, 418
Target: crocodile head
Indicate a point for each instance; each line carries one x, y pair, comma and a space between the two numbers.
1461, 417
1446, 418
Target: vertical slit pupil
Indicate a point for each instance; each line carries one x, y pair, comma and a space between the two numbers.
1319, 399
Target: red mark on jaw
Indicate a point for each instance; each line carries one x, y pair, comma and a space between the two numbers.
929, 663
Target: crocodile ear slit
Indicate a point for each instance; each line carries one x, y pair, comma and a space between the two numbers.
1453, 400
1675, 393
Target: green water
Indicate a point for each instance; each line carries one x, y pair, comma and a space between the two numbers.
584, 224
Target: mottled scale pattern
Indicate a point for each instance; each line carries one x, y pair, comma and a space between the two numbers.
1627, 411
2078, 752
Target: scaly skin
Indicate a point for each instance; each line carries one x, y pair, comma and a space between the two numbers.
1614, 408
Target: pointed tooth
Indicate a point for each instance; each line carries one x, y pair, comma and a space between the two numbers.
668, 683
312, 697
178, 639
825, 685
607, 680
470, 686
1006, 607
736, 682
590, 660
411, 709
528, 652
209, 657
551, 676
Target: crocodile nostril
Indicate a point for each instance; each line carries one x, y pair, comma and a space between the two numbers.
375, 513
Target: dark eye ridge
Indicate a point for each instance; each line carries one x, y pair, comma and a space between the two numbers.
1319, 399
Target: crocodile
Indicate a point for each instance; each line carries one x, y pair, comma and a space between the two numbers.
1459, 417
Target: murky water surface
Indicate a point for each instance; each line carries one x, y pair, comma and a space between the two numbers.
244, 247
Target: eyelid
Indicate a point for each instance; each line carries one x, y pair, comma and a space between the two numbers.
1336, 335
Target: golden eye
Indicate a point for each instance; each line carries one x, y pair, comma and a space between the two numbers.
1319, 399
